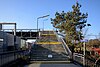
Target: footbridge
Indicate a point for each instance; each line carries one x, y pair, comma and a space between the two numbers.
24, 33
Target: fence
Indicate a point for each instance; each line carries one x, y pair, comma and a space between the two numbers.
89, 62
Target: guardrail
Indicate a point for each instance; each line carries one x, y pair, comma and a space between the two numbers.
7, 57
78, 58
89, 62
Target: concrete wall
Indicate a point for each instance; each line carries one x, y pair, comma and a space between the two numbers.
10, 40
18, 42
7, 42
3, 41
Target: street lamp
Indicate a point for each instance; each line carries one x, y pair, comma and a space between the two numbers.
37, 22
84, 46
39, 18
43, 23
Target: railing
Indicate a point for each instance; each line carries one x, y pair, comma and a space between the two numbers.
21, 30
89, 62
65, 46
78, 58
7, 57
56, 35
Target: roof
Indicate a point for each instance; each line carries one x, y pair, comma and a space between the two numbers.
96, 50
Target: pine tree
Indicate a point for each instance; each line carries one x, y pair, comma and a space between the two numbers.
71, 23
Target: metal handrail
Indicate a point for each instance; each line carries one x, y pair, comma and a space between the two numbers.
65, 46
56, 35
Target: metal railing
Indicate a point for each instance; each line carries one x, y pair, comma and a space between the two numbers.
65, 46
89, 62
7, 57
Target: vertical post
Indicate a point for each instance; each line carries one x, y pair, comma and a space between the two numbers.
84, 54
37, 24
39, 33
15, 36
15, 30
37, 29
0, 26
21, 34
43, 25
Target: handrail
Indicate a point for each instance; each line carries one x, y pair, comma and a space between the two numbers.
89, 62
64, 44
64, 48
56, 35
67, 48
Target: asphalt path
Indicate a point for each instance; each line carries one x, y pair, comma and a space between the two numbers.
53, 65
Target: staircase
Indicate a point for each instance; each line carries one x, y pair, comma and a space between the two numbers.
48, 48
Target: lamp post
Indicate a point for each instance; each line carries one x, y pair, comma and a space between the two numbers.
43, 23
37, 22
39, 18
84, 46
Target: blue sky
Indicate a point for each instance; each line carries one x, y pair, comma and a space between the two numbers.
26, 12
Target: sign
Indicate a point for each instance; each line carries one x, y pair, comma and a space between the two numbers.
1, 39
49, 56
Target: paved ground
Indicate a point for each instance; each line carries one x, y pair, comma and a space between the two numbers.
53, 65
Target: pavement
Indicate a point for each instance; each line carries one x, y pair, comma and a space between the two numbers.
52, 65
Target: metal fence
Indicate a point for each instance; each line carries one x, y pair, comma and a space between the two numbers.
88, 61
91, 62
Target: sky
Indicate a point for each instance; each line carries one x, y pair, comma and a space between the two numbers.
26, 12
